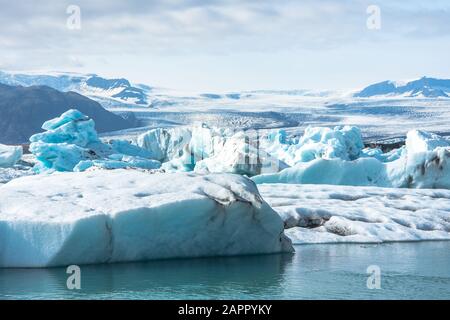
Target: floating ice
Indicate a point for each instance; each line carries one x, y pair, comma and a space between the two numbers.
181, 148
70, 143
239, 155
377, 153
165, 144
329, 213
9, 155
128, 215
316, 143
424, 163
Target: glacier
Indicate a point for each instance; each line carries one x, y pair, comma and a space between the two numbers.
334, 214
129, 215
9, 155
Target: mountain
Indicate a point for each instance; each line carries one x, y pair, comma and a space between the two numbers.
23, 110
109, 92
423, 87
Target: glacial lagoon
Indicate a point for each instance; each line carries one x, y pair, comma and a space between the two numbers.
408, 270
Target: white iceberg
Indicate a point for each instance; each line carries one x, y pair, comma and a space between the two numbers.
181, 148
9, 155
329, 213
129, 215
240, 155
165, 144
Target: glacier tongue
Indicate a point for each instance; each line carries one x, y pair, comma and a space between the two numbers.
128, 215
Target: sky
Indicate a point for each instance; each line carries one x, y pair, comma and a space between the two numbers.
230, 45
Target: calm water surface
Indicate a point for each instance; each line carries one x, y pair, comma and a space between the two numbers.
332, 271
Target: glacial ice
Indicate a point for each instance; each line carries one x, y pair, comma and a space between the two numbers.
129, 215
9, 155
208, 150
71, 143
316, 143
424, 163
165, 144
330, 213
239, 156
321, 156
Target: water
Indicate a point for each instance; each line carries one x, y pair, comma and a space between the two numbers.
330, 271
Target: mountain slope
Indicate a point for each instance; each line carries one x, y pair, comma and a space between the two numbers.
423, 87
24, 109
111, 92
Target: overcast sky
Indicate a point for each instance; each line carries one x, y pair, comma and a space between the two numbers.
230, 45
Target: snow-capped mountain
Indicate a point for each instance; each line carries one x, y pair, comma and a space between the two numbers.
109, 92
24, 109
423, 87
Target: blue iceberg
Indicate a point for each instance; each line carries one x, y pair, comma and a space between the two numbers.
71, 143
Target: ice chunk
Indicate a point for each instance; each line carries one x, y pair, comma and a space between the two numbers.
127, 148
165, 144
128, 215
9, 155
71, 143
240, 156
417, 167
329, 213
59, 156
181, 148
360, 172
418, 141
377, 153
206, 142
71, 127
317, 142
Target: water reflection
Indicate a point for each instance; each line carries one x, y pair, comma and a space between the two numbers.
249, 276
419, 270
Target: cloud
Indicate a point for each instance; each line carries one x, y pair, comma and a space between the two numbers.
34, 33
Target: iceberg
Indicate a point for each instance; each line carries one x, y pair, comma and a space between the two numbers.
9, 155
239, 155
360, 172
331, 214
316, 143
165, 144
181, 148
71, 143
129, 215
424, 163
